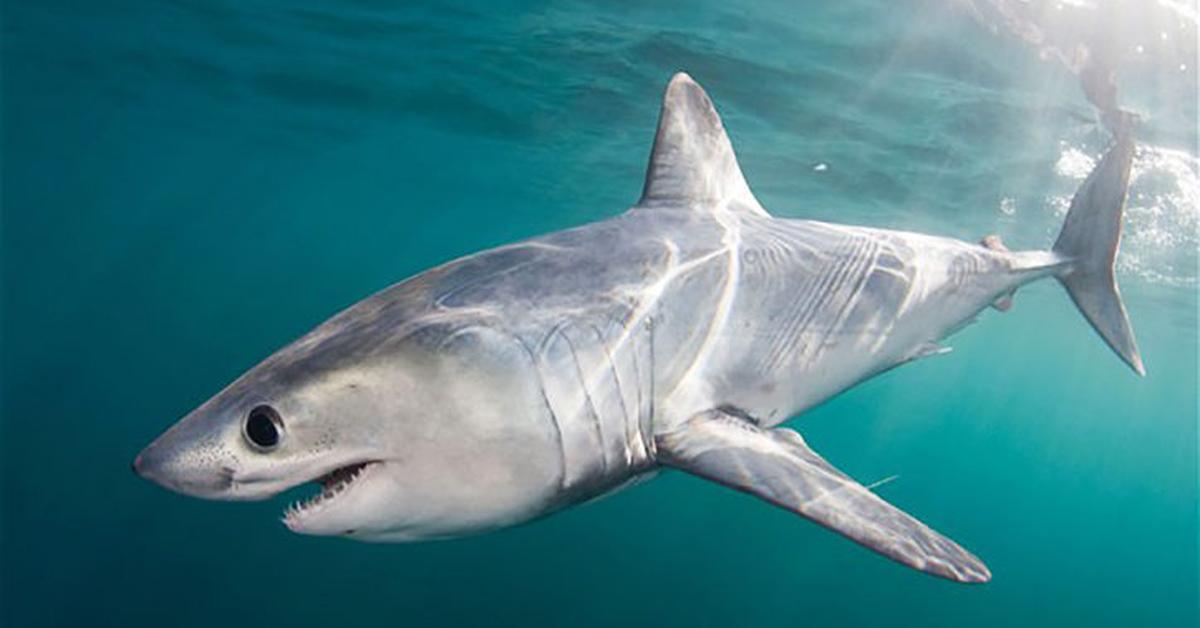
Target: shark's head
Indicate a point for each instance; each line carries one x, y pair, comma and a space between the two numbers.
434, 435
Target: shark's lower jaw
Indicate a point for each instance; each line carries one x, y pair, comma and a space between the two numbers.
334, 485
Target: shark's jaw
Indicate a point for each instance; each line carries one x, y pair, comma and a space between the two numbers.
335, 486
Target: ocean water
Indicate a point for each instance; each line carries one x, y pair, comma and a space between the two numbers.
188, 185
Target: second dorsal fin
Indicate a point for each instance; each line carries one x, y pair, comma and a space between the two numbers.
692, 165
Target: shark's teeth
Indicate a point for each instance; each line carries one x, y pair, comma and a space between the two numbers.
332, 484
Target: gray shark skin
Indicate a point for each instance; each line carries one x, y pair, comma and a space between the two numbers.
518, 381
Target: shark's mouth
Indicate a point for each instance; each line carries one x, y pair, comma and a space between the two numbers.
333, 485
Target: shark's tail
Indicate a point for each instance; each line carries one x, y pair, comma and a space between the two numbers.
1088, 244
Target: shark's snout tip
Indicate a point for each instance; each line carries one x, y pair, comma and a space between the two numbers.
150, 463
141, 465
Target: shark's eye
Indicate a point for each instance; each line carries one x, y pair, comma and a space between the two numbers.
263, 428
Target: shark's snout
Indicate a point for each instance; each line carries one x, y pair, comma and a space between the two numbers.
201, 468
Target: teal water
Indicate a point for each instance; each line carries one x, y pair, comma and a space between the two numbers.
189, 185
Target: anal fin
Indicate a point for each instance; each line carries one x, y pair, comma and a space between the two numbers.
778, 466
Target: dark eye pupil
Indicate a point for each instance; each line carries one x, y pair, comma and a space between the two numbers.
261, 428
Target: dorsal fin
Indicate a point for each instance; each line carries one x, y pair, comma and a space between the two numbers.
692, 165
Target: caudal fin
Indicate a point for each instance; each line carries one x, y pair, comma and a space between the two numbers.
1088, 243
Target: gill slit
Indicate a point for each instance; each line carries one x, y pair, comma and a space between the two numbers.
554, 421
587, 395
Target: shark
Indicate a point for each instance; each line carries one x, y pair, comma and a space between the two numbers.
509, 384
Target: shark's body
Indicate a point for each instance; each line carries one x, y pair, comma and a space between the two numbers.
679, 333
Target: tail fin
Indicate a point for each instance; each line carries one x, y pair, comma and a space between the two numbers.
1088, 242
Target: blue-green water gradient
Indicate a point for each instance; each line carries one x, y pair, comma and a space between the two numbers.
189, 185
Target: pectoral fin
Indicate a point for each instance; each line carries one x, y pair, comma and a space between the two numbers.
777, 465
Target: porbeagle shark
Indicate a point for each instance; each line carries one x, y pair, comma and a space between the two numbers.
512, 383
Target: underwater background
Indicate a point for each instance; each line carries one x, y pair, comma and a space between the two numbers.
189, 185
